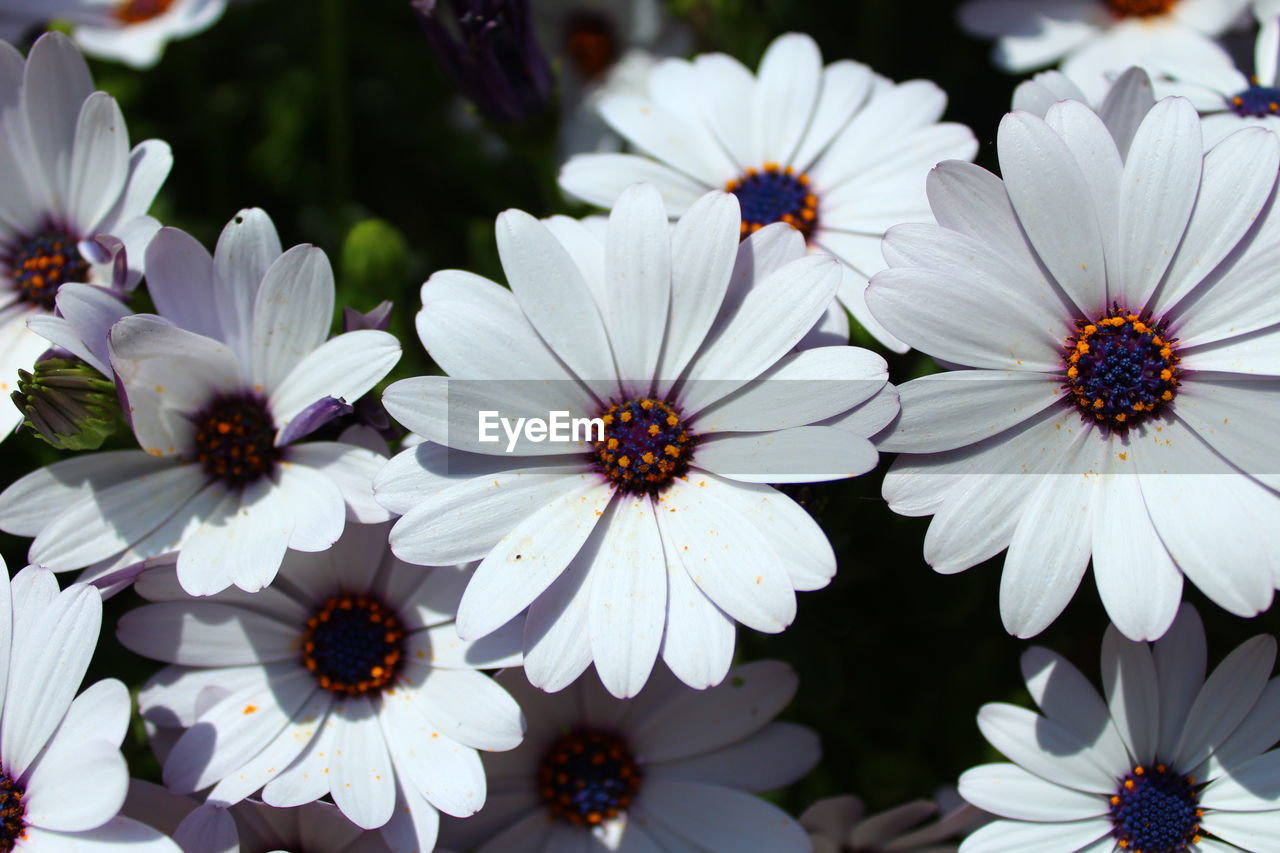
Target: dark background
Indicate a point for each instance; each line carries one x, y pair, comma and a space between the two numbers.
334, 117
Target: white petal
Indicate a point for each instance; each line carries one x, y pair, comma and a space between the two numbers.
55, 85
600, 178
725, 554
29, 504
802, 454
1160, 184
1066, 697
470, 708
556, 649
775, 756
1009, 791
1046, 748
704, 252
1180, 661
352, 469
1245, 830
168, 375
466, 521
1139, 583
945, 411
628, 597
1053, 203
1257, 733
1049, 551
241, 543
1001, 836
291, 314
845, 87
1250, 787
180, 281
553, 295
723, 820
345, 368
1133, 696
692, 723
788, 80
364, 781
1232, 197
637, 281
246, 249
207, 633
654, 130
447, 773
1227, 698
76, 786
99, 161
525, 561
699, 638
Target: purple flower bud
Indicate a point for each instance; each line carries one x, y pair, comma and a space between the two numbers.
491, 54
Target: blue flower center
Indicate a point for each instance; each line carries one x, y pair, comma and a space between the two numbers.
774, 194
588, 777
1121, 368
13, 812
1257, 102
235, 439
645, 445
353, 645
40, 264
1154, 810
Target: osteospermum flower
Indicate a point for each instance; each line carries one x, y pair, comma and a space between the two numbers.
1165, 761
842, 825
346, 678
1227, 98
671, 769
74, 196
220, 390
254, 826
1115, 367
605, 48
659, 533
1093, 40
840, 153
130, 31
62, 777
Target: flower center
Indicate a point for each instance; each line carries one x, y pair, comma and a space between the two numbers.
645, 445
235, 439
588, 777
40, 264
1139, 8
1155, 811
775, 194
1121, 369
353, 645
1257, 102
137, 11
590, 44
13, 812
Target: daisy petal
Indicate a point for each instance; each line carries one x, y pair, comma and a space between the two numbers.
291, 314
1009, 791
99, 161
345, 367
723, 820
246, 249
364, 782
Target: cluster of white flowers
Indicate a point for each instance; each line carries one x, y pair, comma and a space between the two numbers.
359, 639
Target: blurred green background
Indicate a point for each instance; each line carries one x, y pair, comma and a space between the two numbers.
335, 118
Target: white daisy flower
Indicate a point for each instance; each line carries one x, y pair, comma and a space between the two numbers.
840, 153
62, 777
75, 197
1093, 40
1106, 307
219, 389
604, 48
671, 769
661, 534
842, 825
134, 32
250, 825
1226, 98
345, 677
1165, 761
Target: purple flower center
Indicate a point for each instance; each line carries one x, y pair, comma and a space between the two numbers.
235, 439
775, 194
13, 812
1121, 368
588, 777
353, 645
645, 446
1256, 102
1154, 810
41, 263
